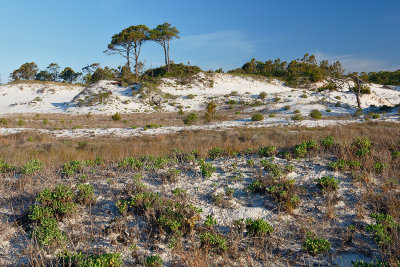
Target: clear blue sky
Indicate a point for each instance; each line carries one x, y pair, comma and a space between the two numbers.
363, 34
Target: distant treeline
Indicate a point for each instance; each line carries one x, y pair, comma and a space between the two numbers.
299, 72
308, 70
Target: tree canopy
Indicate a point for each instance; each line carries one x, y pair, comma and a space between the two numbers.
162, 35
26, 72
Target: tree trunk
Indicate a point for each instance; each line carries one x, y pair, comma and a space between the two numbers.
166, 57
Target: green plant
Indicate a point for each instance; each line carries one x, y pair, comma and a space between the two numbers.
47, 233
286, 107
3, 121
328, 183
258, 227
60, 200
383, 228
206, 168
380, 166
338, 97
216, 241
257, 117
297, 117
315, 246
32, 167
85, 194
301, 150
216, 152
81, 260
257, 186
328, 141
361, 263
315, 114
191, 119
304, 96
285, 192
153, 261
116, 117
362, 146
5, 167
337, 105
210, 221
262, 95
267, 151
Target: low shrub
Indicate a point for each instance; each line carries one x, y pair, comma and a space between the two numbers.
315, 246
191, 119
116, 117
257, 117
328, 183
315, 114
258, 227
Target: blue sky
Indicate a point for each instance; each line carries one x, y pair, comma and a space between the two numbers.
363, 34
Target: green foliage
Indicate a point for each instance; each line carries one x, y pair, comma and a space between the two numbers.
60, 200
315, 246
81, 260
362, 146
85, 194
285, 192
216, 152
328, 183
297, 72
74, 166
3, 121
5, 167
257, 117
379, 167
306, 146
47, 233
262, 95
258, 227
342, 164
27, 71
328, 141
69, 75
315, 114
153, 261
116, 117
216, 241
383, 228
267, 151
297, 117
382, 77
210, 221
32, 167
191, 119
257, 186
130, 162
206, 168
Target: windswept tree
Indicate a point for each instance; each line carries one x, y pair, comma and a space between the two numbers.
162, 35
27, 71
54, 70
69, 75
44, 75
128, 44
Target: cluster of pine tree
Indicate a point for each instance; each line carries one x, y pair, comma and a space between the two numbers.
295, 73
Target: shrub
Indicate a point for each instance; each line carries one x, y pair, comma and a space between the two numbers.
231, 102
285, 192
296, 111
257, 186
191, 119
206, 168
315, 114
262, 95
47, 233
32, 166
328, 183
5, 167
379, 167
383, 228
338, 97
277, 99
257, 117
362, 146
214, 240
338, 105
216, 152
81, 260
297, 117
315, 246
60, 200
3, 121
116, 117
85, 194
210, 221
304, 96
267, 151
286, 107
258, 227
328, 141
153, 261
